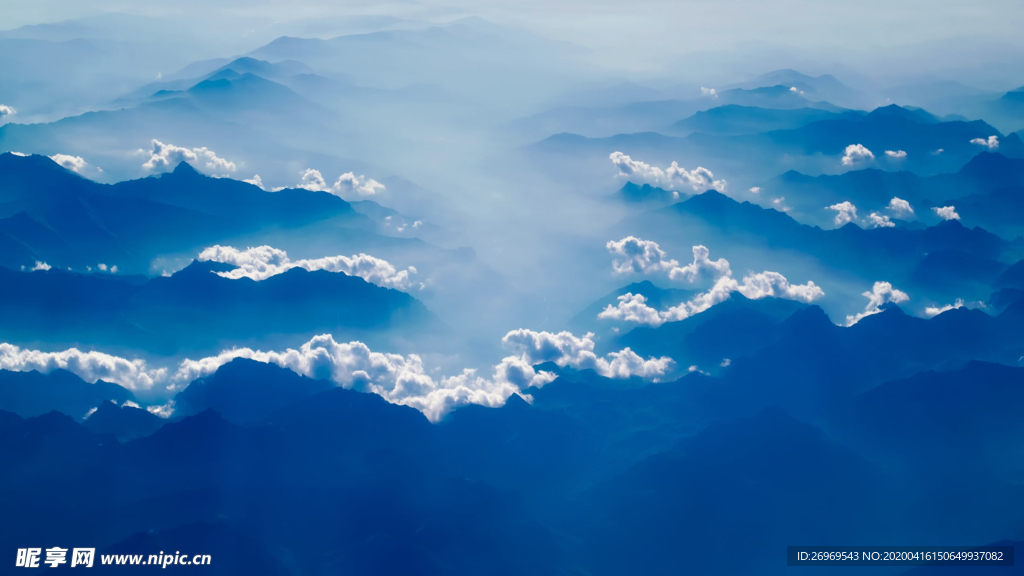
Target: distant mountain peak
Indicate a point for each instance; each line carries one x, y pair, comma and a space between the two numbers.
185, 169
895, 110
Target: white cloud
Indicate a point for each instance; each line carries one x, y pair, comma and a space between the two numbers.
991, 143
698, 179
564, 349
775, 285
725, 363
946, 212
90, 366
935, 311
312, 180
640, 256
900, 207
755, 190
255, 181
780, 204
856, 154
7, 111
167, 156
881, 293
633, 307
896, 154
846, 212
880, 220
708, 92
937, 152
40, 266
348, 182
73, 163
262, 262
701, 267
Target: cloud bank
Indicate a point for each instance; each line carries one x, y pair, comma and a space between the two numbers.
633, 307
262, 262
674, 177
398, 379
564, 349
90, 366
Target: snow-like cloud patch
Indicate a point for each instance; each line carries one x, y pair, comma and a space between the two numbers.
880, 293
896, 154
166, 156
262, 262
946, 212
856, 154
673, 177
89, 366
708, 92
846, 212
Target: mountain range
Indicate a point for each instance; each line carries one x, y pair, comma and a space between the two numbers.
195, 310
